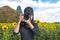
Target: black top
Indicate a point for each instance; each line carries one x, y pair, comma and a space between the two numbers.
27, 33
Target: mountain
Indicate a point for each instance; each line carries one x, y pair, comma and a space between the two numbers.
8, 14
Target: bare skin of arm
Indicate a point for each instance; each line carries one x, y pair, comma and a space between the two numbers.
30, 24
16, 29
21, 18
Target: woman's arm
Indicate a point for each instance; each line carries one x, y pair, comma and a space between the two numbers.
33, 27
16, 29
30, 25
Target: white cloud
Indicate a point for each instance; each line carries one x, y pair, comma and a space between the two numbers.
49, 15
46, 12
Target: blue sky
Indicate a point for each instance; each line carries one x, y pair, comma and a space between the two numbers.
50, 1
44, 10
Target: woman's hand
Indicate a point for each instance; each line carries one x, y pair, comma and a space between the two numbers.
29, 23
21, 18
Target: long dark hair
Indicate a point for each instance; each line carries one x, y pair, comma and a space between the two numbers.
26, 11
30, 11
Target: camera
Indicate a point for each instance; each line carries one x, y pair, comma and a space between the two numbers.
26, 16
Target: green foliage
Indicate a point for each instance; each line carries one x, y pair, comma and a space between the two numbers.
8, 34
45, 33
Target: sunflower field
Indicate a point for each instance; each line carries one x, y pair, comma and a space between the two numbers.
48, 31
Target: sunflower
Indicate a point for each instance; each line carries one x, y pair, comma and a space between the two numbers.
10, 24
37, 21
52, 27
44, 25
0, 24
4, 27
14, 24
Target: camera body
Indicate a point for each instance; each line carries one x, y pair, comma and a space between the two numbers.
26, 16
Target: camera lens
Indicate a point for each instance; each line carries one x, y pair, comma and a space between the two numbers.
26, 16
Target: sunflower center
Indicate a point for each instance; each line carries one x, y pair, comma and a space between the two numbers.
37, 21
5, 28
14, 24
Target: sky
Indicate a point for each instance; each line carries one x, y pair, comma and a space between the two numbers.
44, 10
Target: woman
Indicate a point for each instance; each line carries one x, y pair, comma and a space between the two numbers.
27, 28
